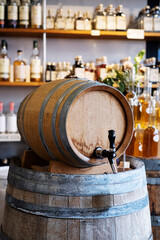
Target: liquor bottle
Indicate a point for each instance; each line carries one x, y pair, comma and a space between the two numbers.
2, 119
87, 21
79, 70
154, 71
58, 70
48, 72
24, 14
12, 14
147, 20
35, 64
2, 13
60, 19
79, 21
102, 68
4, 62
151, 135
131, 93
100, 18
87, 72
110, 18
69, 68
69, 21
53, 71
64, 70
137, 107
11, 120
49, 20
120, 19
19, 67
138, 144
156, 19
36, 14
92, 71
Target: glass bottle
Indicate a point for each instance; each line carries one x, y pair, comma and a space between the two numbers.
131, 93
79, 22
120, 19
19, 67
100, 18
24, 14
35, 64
58, 70
156, 19
138, 144
11, 120
87, 72
2, 119
36, 14
154, 71
87, 21
69, 22
64, 70
4, 62
12, 14
79, 70
2, 13
102, 69
49, 20
53, 71
147, 19
110, 18
137, 107
92, 71
48, 72
60, 19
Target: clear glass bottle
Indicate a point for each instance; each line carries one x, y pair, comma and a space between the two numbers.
92, 71
120, 19
100, 18
60, 19
137, 106
79, 70
24, 14
4, 62
131, 93
64, 70
156, 19
154, 71
19, 67
36, 14
2, 119
2, 13
110, 18
48, 72
102, 69
49, 20
11, 120
79, 21
87, 21
53, 71
58, 70
35, 64
12, 14
147, 20
87, 72
69, 21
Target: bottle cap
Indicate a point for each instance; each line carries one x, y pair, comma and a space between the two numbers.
1, 106
35, 44
11, 106
19, 51
53, 64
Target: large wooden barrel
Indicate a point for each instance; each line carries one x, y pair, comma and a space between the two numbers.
77, 207
67, 119
153, 180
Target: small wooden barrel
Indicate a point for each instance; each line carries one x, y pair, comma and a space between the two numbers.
83, 207
153, 180
67, 119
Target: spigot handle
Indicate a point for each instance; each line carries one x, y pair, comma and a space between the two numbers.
111, 136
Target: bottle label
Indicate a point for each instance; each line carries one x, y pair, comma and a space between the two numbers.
48, 75
4, 66
111, 22
36, 15
156, 24
12, 123
60, 23
69, 23
35, 67
19, 72
2, 123
12, 13
49, 23
100, 22
53, 75
103, 73
156, 138
24, 14
154, 75
148, 24
89, 75
120, 23
79, 72
88, 25
1, 12
80, 24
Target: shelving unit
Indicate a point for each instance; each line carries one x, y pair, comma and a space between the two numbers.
21, 84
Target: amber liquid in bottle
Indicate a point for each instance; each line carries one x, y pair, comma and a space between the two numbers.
138, 144
19, 68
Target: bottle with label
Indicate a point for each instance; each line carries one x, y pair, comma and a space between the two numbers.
110, 18
4, 62
58, 70
60, 19
137, 107
154, 71
131, 93
156, 19
120, 19
92, 71
11, 120
35, 64
87, 72
19, 68
48, 72
64, 70
53, 71
138, 144
68, 67
147, 20
151, 135
100, 18
102, 68
79, 21
87, 21
79, 70
24, 14
2, 13
49, 20
36, 14
12, 14
2, 119
69, 22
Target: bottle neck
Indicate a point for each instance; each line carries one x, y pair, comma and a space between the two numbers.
19, 57
131, 82
35, 51
4, 50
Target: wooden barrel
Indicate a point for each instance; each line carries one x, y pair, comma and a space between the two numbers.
153, 180
83, 207
67, 119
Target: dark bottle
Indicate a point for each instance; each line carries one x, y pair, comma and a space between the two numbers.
48, 72
24, 14
2, 13
12, 14
120, 19
79, 70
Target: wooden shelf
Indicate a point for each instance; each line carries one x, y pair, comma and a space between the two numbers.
22, 84
54, 33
